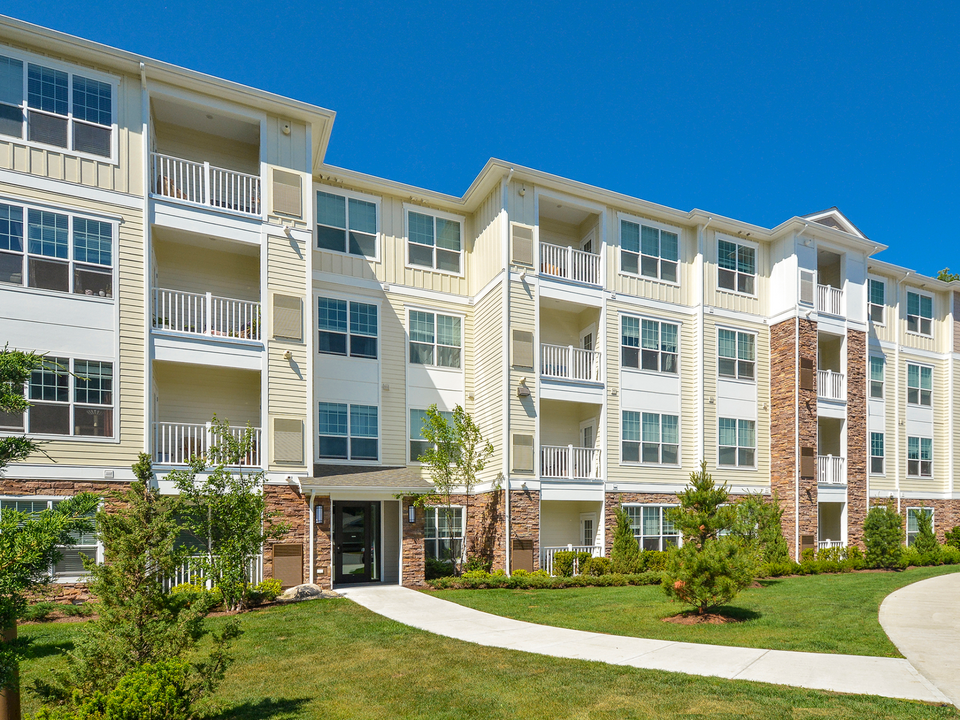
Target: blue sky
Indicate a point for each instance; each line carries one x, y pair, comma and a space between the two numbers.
758, 111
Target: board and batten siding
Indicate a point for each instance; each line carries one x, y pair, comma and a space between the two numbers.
485, 257
756, 304
940, 342
487, 385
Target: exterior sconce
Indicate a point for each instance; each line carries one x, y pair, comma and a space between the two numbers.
412, 513
318, 512
522, 389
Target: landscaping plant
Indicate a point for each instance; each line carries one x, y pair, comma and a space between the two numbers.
758, 525
952, 537
883, 536
925, 540
625, 553
15, 369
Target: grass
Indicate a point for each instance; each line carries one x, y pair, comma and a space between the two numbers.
817, 613
333, 659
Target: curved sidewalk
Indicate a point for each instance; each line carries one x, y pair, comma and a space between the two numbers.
923, 621
890, 677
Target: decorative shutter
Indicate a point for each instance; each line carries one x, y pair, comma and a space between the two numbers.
807, 283
808, 462
288, 441
523, 453
287, 317
521, 244
523, 348
806, 374
287, 193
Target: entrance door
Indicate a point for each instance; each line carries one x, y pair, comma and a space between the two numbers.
356, 542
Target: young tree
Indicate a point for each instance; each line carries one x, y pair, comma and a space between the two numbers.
707, 570
759, 527
626, 550
15, 370
224, 507
926, 540
883, 536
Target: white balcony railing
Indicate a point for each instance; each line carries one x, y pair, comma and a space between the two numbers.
205, 184
205, 314
191, 572
826, 544
569, 363
569, 462
569, 263
176, 443
829, 300
547, 553
830, 470
830, 385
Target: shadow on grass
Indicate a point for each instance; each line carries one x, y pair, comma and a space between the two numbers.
768, 582
739, 614
36, 650
267, 709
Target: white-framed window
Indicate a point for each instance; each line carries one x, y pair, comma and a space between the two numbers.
736, 354
650, 438
348, 223
876, 453
877, 365
876, 300
55, 105
651, 527
919, 457
67, 398
418, 445
434, 240
919, 385
435, 339
57, 251
736, 267
737, 443
347, 327
71, 564
913, 528
443, 532
649, 251
919, 314
348, 432
649, 344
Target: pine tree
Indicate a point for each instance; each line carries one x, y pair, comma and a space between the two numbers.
925, 540
625, 553
883, 536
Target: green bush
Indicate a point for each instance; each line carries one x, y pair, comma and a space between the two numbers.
652, 560
438, 568
38, 612
883, 536
267, 590
475, 562
925, 541
952, 537
596, 566
625, 553
563, 563
779, 569
541, 580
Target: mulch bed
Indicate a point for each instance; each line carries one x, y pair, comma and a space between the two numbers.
692, 618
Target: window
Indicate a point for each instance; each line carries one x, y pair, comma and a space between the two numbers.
346, 224
434, 339
55, 107
71, 564
736, 354
346, 324
919, 385
876, 453
63, 253
651, 527
349, 432
649, 251
418, 446
650, 438
649, 344
737, 267
434, 242
913, 528
919, 314
876, 302
919, 457
443, 532
876, 376
738, 443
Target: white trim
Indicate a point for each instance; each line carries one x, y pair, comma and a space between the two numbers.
733, 328
717, 237
883, 281
421, 210
375, 200
349, 437
435, 311
622, 216
933, 312
660, 443
756, 449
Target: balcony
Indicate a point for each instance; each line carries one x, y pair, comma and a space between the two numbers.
566, 362
200, 183
830, 470
547, 553
827, 544
569, 462
205, 314
830, 386
176, 443
569, 263
830, 300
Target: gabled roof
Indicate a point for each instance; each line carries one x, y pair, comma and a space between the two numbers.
833, 218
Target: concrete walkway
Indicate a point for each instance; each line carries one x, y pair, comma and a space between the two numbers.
890, 677
923, 621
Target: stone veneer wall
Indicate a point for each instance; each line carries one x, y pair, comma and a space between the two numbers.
946, 512
525, 520
857, 437
322, 545
485, 526
412, 552
292, 508
612, 500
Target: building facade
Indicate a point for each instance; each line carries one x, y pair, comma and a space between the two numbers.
178, 248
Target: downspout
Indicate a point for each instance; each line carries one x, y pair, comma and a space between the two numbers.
310, 524
701, 431
896, 406
505, 185
148, 408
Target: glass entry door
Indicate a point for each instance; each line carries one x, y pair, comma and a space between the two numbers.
356, 542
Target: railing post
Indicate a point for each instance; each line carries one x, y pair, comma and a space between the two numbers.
570, 262
571, 370
570, 472
208, 315
205, 190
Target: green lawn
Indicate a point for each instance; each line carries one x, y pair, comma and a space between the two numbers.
817, 613
333, 659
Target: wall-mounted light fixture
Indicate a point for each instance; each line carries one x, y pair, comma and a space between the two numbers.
288, 355
522, 389
318, 513
412, 513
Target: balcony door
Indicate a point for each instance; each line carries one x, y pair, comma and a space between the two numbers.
356, 542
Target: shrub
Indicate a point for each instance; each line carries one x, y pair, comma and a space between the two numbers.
925, 541
563, 563
883, 536
38, 612
652, 560
475, 562
541, 580
952, 537
596, 566
626, 550
437, 568
758, 526
779, 569
267, 590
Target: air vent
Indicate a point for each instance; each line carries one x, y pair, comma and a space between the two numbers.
806, 374
807, 282
523, 453
287, 317
286, 194
521, 244
808, 462
288, 441
522, 348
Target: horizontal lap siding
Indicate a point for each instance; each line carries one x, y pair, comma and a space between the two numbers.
487, 385
523, 316
940, 482
393, 364
200, 270
193, 394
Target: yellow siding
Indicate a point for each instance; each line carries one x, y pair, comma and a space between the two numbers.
940, 342
290, 152
888, 331
393, 364
522, 208
485, 258
523, 411
620, 283
726, 299
189, 268
941, 434
193, 393
196, 146
487, 383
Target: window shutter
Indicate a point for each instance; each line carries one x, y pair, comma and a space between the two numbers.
287, 317
523, 348
808, 462
806, 374
288, 441
523, 453
806, 287
286, 193
521, 244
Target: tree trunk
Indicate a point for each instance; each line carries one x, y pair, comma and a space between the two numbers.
10, 697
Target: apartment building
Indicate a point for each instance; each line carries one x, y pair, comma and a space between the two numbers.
178, 247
